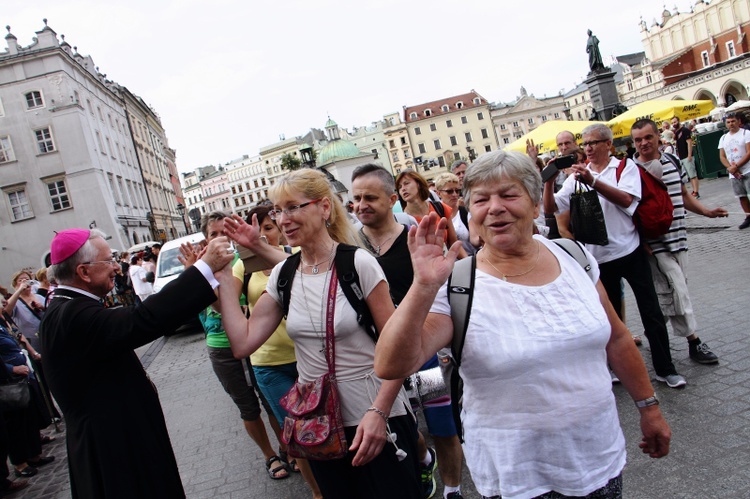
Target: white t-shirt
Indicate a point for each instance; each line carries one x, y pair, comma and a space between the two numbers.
621, 232
734, 148
142, 289
538, 409
355, 350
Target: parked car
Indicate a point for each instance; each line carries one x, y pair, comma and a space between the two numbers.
168, 267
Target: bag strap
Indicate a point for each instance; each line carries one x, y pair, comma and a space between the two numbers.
574, 249
438, 206
330, 338
620, 168
464, 214
285, 281
350, 285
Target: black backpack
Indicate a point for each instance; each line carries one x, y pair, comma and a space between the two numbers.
348, 280
460, 295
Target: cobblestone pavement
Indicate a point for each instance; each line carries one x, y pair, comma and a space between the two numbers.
710, 417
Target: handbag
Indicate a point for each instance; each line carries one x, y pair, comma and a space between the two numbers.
314, 427
587, 217
14, 394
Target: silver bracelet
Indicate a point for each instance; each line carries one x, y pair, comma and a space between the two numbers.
593, 182
379, 412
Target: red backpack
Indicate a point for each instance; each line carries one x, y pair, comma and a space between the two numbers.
655, 211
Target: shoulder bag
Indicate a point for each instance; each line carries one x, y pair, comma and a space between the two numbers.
314, 427
14, 394
587, 217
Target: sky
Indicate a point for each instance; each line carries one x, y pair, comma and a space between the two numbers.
229, 77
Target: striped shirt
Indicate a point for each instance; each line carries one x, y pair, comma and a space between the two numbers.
673, 176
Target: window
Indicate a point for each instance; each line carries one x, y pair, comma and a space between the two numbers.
649, 80
44, 140
406, 154
403, 141
544, 118
417, 131
449, 123
436, 143
557, 115
515, 124
391, 144
413, 116
502, 126
428, 112
506, 140
433, 127
487, 148
20, 208
459, 105
456, 156
421, 148
453, 140
6, 150
444, 108
468, 136
441, 161
395, 155
477, 100
704, 58
34, 100
630, 84
58, 195
485, 135
730, 49
2, 110
531, 121
464, 120
99, 110
480, 116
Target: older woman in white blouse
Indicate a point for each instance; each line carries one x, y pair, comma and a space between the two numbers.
539, 415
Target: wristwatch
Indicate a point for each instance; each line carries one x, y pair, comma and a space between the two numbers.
652, 400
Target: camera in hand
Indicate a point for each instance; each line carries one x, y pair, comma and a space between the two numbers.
563, 162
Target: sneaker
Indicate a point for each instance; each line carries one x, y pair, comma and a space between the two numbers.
672, 380
455, 495
745, 224
614, 377
428, 475
702, 354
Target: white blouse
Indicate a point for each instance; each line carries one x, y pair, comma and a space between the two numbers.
538, 409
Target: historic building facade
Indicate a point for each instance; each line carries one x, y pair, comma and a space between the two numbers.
513, 121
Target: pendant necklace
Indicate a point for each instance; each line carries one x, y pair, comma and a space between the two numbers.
315, 265
319, 334
505, 276
376, 249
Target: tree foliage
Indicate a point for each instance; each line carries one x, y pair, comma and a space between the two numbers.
290, 162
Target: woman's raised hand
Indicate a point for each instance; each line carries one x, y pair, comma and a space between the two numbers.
248, 235
426, 243
189, 254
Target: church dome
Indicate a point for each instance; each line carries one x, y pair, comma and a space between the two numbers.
337, 150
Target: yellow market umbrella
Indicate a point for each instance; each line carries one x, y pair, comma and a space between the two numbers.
544, 136
659, 111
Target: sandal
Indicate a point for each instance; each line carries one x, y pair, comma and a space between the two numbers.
292, 463
274, 472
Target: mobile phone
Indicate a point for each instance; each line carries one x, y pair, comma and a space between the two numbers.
564, 162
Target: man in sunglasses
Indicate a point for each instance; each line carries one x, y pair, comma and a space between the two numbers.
623, 257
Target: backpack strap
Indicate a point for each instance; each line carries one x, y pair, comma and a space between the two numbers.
574, 249
464, 214
286, 278
438, 206
350, 285
460, 295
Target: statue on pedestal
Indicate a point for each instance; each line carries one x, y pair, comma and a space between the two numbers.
595, 57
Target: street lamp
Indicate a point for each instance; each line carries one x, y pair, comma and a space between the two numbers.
181, 210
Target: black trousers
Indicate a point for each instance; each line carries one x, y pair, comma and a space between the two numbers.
635, 269
384, 476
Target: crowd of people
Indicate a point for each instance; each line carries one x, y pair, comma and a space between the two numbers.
526, 354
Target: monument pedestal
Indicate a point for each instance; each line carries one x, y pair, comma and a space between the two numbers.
603, 92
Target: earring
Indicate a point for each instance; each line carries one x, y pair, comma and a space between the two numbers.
328, 224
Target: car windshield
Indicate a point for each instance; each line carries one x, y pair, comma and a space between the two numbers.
168, 263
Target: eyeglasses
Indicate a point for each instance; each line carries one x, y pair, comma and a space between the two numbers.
592, 143
111, 261
291, 210
451, 192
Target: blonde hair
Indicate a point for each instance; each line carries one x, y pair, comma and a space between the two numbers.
445, 178
14, 279
314, 184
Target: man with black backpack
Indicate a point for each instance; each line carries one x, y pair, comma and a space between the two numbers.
668, 253
374, 193
619, 193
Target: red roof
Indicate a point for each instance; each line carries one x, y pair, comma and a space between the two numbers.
436, 107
